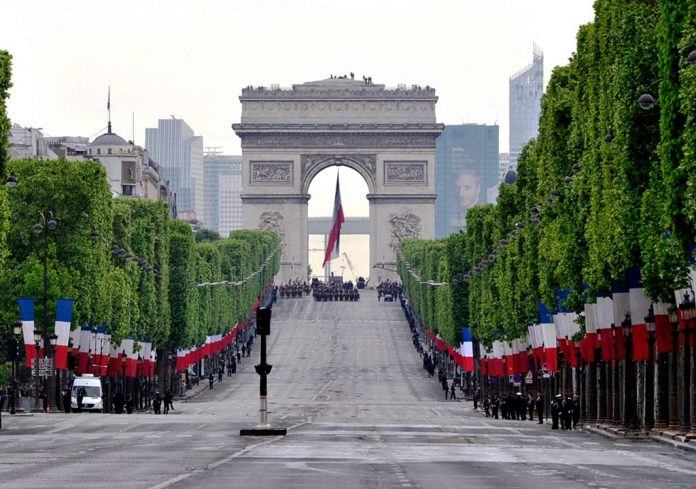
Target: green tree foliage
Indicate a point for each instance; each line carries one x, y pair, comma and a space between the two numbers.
606, 185
5, 85
152, 292
206, 235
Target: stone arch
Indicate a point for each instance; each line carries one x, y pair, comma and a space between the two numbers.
364, 164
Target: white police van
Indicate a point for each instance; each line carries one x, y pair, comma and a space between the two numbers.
92, 396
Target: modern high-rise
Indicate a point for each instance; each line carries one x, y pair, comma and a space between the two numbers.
526, 89
180, 154
222, 176
466, 173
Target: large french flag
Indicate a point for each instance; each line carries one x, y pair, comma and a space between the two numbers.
548, 334
605, 318
26, 315
64, 309
621, 300
85, 349
467, 350
639, 307
333, 246
102, 351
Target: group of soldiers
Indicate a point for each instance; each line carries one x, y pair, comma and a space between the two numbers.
335, 292
294, 288
565, 410
389, 287
514, 407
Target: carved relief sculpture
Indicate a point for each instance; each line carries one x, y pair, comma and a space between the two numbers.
271, 172
404, 225
399, 173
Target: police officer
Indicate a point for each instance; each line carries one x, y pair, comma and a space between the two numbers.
555, 411
539, 405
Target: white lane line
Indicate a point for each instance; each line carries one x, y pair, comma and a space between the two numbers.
181, 477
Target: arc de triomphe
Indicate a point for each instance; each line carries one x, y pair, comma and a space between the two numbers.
386, 135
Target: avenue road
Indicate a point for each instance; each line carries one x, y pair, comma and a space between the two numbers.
360, 413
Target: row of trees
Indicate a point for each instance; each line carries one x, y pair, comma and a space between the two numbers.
124, 261
608, 185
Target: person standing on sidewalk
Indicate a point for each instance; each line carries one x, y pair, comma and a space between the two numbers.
211, 379
539, 404
453, 395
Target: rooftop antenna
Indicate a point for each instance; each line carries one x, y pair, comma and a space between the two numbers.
108, 108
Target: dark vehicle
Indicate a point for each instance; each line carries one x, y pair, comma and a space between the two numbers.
361, 283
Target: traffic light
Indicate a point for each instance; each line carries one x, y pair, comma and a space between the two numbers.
263, 321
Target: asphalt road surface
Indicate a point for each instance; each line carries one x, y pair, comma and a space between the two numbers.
360, 411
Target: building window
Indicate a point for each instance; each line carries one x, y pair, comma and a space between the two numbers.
109, 151
98, 151
90, 150
127, 189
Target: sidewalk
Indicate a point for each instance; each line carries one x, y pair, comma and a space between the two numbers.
671, 438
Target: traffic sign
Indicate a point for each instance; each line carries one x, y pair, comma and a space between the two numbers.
529, 378
44, 365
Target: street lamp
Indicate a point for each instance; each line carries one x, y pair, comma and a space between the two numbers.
630, 380
123, 368
11, 181
37, 345
46, 225
687, 309
17, 330
650, 373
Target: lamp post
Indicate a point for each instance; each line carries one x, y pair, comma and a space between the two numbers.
687, 309
14, 397
123, 371
613, 380
37, 345
674, 371
44, 229
630, 419
55, 397
650, 371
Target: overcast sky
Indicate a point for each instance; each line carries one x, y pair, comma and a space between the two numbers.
191, 59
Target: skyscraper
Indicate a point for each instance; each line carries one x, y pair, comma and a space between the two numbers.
180, 154
466, 172
222, 176
526, 89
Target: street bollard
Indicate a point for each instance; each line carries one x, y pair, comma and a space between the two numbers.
263, 329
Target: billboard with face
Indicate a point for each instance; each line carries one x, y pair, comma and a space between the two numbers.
466, 172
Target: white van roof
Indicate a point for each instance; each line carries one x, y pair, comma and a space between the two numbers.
92, 380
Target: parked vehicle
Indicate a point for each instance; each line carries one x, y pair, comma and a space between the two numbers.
92, 396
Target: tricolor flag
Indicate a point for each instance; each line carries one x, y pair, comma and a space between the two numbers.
605, 318
86, 351
467, 350
102, 351
64, 308
26, 315
333, 246
622, 305
639, 307
548, 334
663, 330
